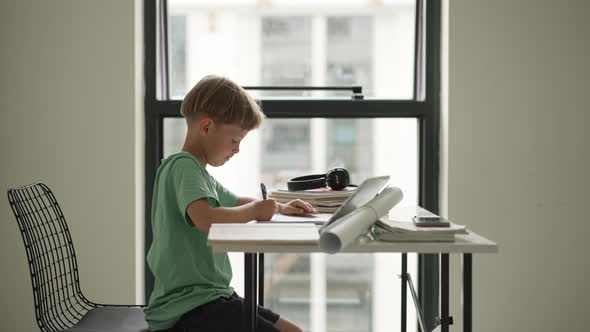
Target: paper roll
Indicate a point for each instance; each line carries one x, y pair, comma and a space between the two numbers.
345, 230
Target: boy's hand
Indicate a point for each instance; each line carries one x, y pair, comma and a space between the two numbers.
297, 207
265, 209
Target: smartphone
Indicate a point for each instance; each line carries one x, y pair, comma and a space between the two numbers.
430, 221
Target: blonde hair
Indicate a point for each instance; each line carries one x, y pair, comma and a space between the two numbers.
222, 100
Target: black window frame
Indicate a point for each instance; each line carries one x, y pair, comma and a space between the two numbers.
425, 107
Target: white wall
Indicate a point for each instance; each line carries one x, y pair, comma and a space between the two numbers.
519, 158
67, 103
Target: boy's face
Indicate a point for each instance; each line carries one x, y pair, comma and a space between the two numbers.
222, 142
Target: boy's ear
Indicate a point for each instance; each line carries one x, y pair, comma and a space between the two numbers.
205, 124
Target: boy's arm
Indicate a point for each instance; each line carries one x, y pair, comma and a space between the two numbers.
294, 207
203, 215
244, 200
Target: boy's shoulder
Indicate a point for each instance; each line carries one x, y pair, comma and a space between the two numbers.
181, 159
181, 164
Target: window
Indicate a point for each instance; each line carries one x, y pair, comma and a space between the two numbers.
298, 44
393, 130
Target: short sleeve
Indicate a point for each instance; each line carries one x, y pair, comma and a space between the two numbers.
190, 184
226, 197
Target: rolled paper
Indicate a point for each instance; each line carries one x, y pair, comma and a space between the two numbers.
348, 228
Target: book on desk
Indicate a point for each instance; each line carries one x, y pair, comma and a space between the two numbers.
398, 226
395, 230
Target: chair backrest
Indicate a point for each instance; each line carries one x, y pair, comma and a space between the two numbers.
59, 302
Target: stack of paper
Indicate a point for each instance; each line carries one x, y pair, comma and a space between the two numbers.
323, 199
387, 229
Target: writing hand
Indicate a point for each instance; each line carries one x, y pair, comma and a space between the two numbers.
265, 209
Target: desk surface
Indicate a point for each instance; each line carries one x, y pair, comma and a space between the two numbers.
465, 243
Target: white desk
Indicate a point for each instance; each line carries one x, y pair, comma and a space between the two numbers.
466, 245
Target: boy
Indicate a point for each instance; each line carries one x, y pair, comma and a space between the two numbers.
191, 291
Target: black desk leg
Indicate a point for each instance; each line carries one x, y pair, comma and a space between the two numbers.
250, 306
404, 291
261, 279
444, 292
467, 293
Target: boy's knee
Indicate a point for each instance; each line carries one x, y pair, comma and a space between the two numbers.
292, 328
286, 326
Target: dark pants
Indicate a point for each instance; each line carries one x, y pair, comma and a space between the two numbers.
224, 314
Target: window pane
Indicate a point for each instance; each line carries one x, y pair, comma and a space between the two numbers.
178, 70
286, 142
344, 292
350, 52
294, 43
286, 53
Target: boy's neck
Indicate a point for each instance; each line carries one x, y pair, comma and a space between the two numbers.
194, 149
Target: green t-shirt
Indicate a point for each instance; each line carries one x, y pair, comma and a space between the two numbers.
187, 273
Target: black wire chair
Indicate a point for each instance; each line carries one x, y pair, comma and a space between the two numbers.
59, 302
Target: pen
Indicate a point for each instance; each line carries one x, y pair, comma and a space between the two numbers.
263, 189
